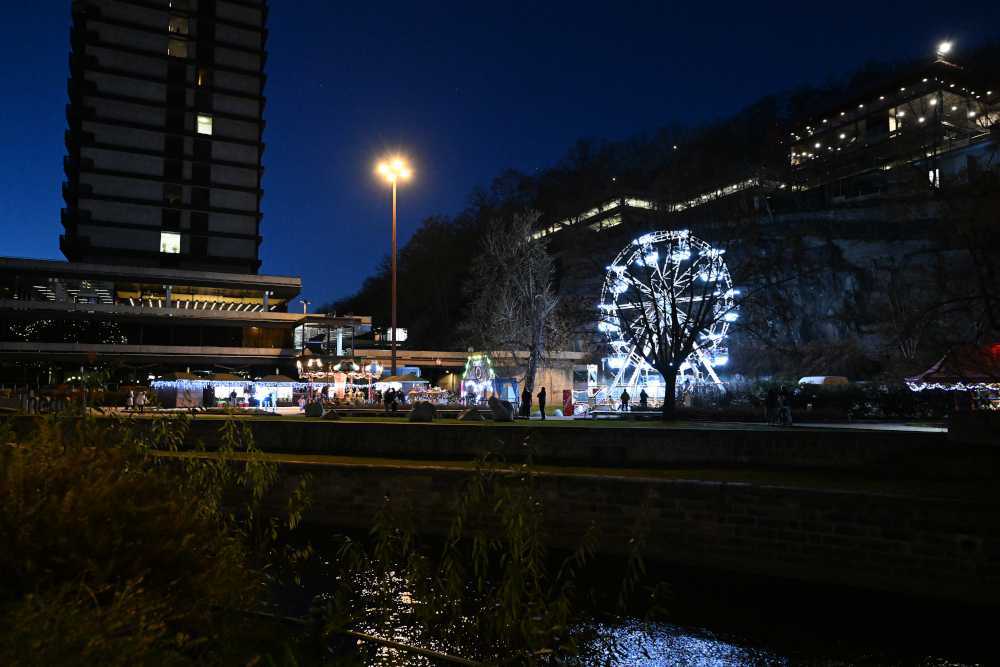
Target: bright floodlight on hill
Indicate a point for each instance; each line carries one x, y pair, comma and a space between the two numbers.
943, 48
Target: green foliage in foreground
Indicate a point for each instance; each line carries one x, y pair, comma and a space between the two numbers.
110, 556
492, 591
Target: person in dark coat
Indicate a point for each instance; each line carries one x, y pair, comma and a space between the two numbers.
643, 399
771, 406
526, 403
389, 397
541, 402
785, 407
625, 399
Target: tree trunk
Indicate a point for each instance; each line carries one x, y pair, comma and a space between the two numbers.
532, 369
669, 395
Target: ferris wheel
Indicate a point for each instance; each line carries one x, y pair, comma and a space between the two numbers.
655, 275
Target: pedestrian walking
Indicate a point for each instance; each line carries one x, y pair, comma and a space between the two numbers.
541, 402
786, 407
302, 403
130, 401
140, 401
643, 399
389, 397
526, 403
625, 400
771, 406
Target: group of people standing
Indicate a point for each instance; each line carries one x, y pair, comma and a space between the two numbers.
526, 403
626, 400
778, 408
390, 395
391, 399
135, 402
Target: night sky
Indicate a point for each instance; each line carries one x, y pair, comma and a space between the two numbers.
463, 90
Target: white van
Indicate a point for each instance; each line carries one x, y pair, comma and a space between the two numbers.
823, 379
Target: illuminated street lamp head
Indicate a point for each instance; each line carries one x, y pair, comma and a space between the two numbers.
393, 170
943, 48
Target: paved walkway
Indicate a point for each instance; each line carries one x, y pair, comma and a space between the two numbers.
862, 426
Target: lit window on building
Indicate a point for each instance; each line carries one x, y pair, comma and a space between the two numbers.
204, 124
177, 48
178, 25
170, 242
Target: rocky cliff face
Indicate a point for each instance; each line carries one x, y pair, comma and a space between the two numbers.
867, 273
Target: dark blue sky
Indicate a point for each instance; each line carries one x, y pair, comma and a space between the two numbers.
464, 90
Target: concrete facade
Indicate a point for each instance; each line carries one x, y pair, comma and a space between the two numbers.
164, 150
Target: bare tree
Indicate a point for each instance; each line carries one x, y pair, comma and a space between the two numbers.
512, 302
677, 295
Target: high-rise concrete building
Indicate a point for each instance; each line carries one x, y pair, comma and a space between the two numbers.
165, 116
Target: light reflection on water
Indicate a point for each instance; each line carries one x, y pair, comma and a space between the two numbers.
668, 645
660, 645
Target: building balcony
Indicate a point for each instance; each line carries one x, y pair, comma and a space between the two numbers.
72, 191
73, 164
76, 114
73, 246
79, 138
71, 217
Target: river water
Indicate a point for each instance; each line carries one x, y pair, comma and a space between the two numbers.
726, 619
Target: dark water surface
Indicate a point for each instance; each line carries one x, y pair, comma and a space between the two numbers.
720, 618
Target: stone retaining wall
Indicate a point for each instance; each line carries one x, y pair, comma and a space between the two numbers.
883, 453
932, 547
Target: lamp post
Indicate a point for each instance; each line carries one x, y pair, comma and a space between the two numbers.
393, 171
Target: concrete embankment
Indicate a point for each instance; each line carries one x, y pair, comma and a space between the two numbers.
935, 547
906, 454
946, 546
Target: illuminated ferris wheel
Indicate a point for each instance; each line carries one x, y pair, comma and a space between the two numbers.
657, 276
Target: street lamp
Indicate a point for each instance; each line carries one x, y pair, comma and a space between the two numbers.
393, 171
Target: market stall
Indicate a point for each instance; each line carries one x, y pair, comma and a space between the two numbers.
231, 389
972, 371
435, 395
406, 384
273, 391
178, 390
339, 381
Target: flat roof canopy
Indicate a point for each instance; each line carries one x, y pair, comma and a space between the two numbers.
283, 287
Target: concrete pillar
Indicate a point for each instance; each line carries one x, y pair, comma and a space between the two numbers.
266, 309
169, 290
340, 342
